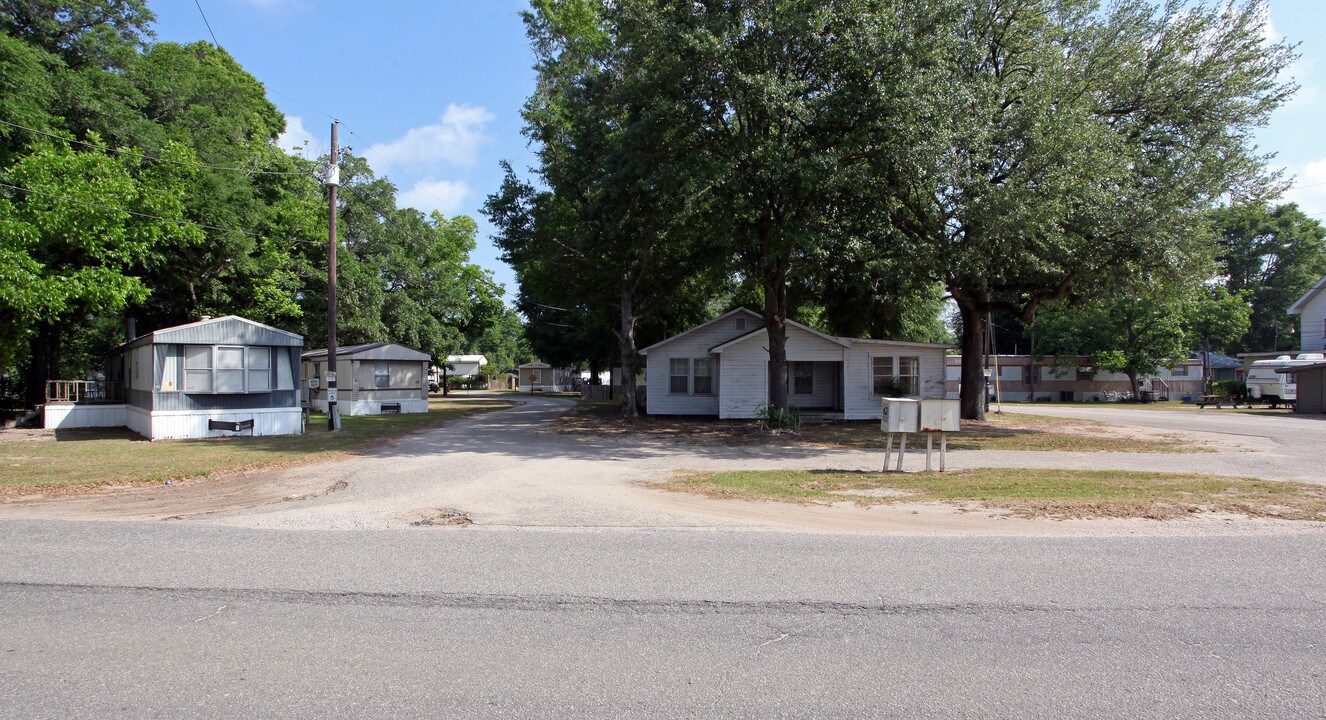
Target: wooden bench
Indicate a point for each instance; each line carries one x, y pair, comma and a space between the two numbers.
1218, 401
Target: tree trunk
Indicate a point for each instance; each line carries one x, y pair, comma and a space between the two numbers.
626, 345
1132, 383
971, 395
45, 362
775, 322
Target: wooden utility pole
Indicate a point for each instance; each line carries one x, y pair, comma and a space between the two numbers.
333, 182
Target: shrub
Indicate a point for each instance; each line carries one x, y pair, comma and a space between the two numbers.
1229, 388
772, 418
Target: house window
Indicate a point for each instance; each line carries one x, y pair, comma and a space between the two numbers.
702, 376
1180, 371
1085, 374
679, 372
741, 323
227, 369
197, 369
803, 378
260, 369
909, 371
1030, 376
381, 375
881, 370
904, 371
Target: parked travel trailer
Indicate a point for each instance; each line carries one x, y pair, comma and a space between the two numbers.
1272, 381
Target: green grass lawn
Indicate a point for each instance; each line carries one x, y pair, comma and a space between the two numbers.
98, 457
1048, 493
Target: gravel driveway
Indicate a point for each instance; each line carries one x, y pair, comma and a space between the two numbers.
507, 468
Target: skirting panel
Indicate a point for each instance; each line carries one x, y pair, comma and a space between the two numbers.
65, 417
181, 425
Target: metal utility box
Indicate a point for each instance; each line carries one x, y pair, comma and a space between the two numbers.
938, 415
900, 415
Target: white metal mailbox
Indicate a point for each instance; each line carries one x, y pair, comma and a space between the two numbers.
939, 415
900, 415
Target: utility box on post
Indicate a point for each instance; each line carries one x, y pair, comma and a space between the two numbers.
900, 415
938, 415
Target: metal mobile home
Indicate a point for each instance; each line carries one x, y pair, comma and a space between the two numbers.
212, 378
371, 379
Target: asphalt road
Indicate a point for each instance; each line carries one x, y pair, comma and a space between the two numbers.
190, 620
322, 608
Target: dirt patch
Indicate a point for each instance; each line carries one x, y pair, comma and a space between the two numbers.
435, 516
173, 499
1007, 431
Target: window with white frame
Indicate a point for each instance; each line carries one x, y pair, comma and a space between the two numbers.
679, 376
259, 369
909, 372
227, 369
888, 371
381, 374
1180, 371
198, 368
702, 376
803, 378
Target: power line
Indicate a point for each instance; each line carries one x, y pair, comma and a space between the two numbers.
209, 25
144, 215
247, 171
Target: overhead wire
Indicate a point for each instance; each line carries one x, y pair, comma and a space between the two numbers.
208, 24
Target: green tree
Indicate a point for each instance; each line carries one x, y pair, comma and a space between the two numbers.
77, 231
1084, 144
1274, 255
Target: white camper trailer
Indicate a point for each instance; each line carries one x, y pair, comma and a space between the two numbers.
1272, 381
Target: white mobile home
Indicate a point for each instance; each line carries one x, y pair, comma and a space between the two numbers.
721, 368
212, 378
371, 379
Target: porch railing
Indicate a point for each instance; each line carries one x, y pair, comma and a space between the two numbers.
84, 391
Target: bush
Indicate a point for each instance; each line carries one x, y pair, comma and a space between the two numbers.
772, 418
1229, 388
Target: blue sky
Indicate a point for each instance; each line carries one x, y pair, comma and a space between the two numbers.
429, 91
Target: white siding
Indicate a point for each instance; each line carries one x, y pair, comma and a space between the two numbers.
745, 380
1313, 324
59, 416
862, 402
193, 424
695, 345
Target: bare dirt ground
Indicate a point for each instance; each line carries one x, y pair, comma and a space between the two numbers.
511, 469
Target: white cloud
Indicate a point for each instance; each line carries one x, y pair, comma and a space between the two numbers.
444, 196
1309, 189
453, 140
1301, 70
297, 140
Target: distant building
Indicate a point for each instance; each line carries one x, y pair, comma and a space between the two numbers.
370, 379
1024, 378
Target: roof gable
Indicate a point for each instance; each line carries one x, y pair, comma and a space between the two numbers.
1299, 306
373, 351
739, 311
790, 323
226, 330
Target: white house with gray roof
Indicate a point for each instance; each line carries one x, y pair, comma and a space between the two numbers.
721, 368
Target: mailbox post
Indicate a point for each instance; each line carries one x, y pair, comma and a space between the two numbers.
938, 416
901, 416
